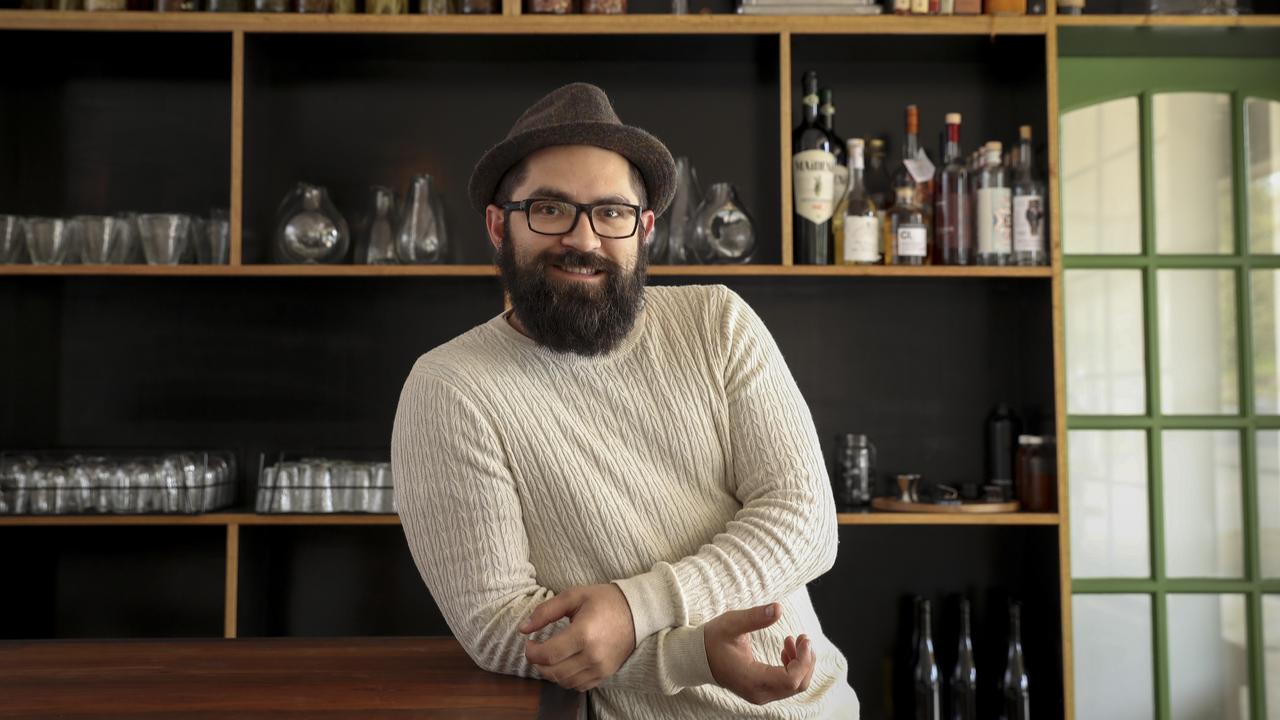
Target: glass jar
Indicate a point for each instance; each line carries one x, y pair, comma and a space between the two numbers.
478, 7
604, 7
1036, 474
722, 229
549, 7
855, 469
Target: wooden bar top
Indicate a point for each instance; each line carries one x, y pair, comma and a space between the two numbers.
329, 678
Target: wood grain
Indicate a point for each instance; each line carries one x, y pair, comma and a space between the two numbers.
264, 678
265, 270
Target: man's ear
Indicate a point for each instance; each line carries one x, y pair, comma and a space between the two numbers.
647, 220
495, 223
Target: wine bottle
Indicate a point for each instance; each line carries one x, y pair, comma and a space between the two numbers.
827, 119
1028, 207
993, 210
964, 680
928, 683
858, 241
812, 177
916, 170
1015, 686
953, 212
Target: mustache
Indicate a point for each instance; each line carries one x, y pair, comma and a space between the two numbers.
578, 258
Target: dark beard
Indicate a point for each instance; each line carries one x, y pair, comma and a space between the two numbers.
568, 317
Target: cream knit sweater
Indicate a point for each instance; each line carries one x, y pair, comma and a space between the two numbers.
683, 466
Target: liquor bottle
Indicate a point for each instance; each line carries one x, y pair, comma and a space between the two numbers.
858, 240
916, 169
1015, 685
964, 680
813, 173
876, 176
993, 209
1028, 207
827, 119
919, 7
1002, 429
909, 231
901, 7
928, 683
952, 207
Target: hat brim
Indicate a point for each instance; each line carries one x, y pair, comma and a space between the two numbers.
645, 151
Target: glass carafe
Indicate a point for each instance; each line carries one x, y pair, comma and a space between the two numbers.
853, 479
722, 229
421, 236
379, 243
310, 229
681, 213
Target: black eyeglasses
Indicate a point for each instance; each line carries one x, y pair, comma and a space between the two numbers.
611, 220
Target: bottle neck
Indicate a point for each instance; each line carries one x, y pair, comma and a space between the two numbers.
1024, 155
810, 109
911, 146
827, 118
952, 150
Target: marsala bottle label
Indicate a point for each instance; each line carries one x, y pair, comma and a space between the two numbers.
813, 176
912, 240
861, 239
993, 220
1028, 223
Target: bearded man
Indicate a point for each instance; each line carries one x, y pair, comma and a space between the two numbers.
616, 488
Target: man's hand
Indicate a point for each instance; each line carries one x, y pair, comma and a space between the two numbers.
728, 642
600, 637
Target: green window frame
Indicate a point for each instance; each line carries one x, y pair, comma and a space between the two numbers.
1097, 66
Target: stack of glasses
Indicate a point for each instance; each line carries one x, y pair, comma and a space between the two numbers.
808, 7
124, 238
66, 484
318, 485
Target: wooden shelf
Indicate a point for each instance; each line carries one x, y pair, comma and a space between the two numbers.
892, 518
247, 518
489, 270
1177, 21
638, 24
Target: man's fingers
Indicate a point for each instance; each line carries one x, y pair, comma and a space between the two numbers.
548, 612
788, 650
581, 681
800, 670
742, 622
554, 650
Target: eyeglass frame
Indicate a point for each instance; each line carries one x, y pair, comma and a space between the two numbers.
582, 209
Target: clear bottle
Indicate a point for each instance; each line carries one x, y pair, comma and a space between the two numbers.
827, 120
916, 169
910, 231
1015, 685
964, 680
858, 241
953, 207
876, 176
925, 676
1028, 207
993, 209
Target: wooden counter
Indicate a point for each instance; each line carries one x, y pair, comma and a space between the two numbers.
328, 678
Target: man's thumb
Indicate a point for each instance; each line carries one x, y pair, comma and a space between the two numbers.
742, 622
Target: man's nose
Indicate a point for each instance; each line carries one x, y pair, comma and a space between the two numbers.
582, 237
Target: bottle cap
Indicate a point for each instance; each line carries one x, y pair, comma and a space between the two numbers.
1030, 440
876, 142
1024, 132
953, 118
913, 120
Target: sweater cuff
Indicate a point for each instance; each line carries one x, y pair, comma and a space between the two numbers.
686, 657
651, 598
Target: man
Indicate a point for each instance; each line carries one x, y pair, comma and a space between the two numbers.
615, 488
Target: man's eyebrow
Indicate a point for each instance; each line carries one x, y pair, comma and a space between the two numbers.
555, 194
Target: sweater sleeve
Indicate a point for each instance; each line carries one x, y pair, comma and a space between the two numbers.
785, 534
461, 516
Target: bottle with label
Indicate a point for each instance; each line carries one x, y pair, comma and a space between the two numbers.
993, 210
858, 238
1015, 684
812, 178
1028, 207
827, 119
928, 683
909, 231
916, 170
901, 7
952, 206
964, 680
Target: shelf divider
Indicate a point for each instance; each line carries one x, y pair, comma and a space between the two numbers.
237, 147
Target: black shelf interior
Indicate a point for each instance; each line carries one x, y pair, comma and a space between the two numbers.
350, 111
99, 123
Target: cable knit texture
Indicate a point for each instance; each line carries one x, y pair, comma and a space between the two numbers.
682, 466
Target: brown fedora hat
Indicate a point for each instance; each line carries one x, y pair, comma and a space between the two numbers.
576, 114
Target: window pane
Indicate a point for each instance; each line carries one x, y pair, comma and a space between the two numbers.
1271, 632
1203, 534
1101, 191
1262, 138
1198, 342
1113, 668
1192, 159
1266, 339
1109, 524
1269, 501
1105, 358
1208, 657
